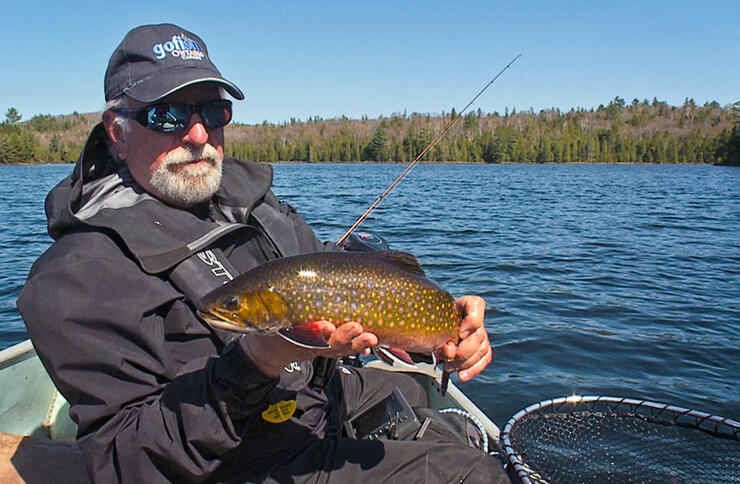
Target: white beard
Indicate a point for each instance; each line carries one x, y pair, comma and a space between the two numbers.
188, 185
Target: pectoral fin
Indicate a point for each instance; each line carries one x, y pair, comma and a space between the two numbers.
394, 356
306, 335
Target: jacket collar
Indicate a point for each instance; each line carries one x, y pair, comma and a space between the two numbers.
101, 194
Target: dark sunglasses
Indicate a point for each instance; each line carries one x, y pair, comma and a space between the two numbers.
171, 118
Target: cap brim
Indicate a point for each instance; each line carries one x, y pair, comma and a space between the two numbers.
165, 83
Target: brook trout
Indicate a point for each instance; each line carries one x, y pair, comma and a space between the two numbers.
386, 292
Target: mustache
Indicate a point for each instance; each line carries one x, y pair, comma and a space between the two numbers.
189, 154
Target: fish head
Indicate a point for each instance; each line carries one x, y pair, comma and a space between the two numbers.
258, 311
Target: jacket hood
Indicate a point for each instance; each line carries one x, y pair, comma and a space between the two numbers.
100, 193
64, 199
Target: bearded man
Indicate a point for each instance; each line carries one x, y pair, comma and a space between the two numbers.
153, 217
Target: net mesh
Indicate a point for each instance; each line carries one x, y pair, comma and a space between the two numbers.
611, 439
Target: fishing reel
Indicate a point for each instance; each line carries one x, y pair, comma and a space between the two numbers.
365, 242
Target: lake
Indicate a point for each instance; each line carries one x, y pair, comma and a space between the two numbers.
599, 279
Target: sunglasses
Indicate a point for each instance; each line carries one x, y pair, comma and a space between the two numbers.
171, 118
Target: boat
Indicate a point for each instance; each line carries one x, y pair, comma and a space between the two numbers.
37, 436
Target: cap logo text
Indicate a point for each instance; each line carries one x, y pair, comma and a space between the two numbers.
179, 46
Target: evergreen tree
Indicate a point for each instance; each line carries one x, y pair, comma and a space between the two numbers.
377, 149
18, 145
12, 116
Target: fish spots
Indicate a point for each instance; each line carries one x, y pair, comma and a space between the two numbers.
406, 311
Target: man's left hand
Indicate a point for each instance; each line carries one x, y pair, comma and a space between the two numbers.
473, 352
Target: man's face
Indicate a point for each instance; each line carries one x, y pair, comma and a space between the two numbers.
181, 168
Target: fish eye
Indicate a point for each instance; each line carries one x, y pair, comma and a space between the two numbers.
231, 303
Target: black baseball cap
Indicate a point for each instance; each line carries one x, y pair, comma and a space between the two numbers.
153, 61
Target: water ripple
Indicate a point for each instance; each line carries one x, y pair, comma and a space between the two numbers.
610, 279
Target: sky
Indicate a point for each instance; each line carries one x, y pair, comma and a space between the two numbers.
329, 59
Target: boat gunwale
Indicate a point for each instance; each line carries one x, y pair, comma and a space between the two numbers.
17, 353
431, 377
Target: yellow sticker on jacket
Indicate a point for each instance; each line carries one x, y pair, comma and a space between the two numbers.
279, 412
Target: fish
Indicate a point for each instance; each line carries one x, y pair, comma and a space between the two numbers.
387, 292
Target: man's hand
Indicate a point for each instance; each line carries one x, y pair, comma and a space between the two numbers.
270, 353
473, 352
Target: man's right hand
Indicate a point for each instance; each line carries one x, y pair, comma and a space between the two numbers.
270, 353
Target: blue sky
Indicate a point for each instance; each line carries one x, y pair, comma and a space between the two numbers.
301, 59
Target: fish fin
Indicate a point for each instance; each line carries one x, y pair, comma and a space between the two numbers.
402, 355
384, 356
306, 335
444, 383
402, 260
393, 356
421, 358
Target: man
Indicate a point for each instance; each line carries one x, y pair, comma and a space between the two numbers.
154, 216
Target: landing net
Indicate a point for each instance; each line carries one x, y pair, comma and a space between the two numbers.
613, 439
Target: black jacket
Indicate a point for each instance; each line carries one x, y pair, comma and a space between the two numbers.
157, 394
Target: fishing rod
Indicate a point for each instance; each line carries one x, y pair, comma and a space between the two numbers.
420, 155
445, 375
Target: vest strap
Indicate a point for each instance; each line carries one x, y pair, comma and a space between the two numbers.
278, 229
200, 274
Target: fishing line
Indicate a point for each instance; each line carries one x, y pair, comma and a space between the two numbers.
420, 155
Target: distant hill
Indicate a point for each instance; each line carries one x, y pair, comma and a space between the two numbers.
638, 132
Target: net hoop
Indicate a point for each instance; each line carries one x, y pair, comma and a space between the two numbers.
652, 411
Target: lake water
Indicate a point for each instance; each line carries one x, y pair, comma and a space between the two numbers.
599, 279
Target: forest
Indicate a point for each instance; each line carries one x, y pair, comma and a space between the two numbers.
618, 132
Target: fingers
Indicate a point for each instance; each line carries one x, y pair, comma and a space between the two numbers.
473, 352
350, 338
473, 309
344, 334
446, 353
469, 351
476, 363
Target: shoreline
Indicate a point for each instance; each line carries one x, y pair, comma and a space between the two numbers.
428, 163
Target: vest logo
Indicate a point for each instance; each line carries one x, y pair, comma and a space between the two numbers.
209, 258
292, 366
279, 412
179, 46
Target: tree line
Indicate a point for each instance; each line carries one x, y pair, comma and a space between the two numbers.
637, 132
